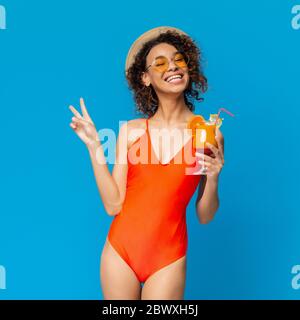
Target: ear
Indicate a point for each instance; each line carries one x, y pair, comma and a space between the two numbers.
145, 79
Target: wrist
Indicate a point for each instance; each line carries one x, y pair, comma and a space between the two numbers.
212, 180
93, 145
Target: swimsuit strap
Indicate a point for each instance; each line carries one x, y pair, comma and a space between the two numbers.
147, 127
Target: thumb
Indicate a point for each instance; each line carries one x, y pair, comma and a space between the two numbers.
220, 139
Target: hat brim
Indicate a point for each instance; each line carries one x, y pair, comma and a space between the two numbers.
142, 39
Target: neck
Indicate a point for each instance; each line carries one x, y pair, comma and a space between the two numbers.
171, 108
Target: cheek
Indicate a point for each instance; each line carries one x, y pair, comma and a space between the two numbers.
157, 80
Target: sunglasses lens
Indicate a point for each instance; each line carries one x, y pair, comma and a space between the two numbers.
161, 64
180, 61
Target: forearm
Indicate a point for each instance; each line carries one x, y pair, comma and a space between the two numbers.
208, 205
106, 184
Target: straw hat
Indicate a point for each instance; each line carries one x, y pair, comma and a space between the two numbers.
145, 37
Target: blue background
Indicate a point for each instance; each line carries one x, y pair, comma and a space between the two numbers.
52, 221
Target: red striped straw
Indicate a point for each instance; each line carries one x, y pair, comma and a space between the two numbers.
220, 110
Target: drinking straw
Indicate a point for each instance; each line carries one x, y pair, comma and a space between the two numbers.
220, 110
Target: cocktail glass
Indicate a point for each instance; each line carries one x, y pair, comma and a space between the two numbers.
204, 131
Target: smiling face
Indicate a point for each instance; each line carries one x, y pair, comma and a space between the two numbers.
174, 79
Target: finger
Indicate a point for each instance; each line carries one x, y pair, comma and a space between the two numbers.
205, 157
213, 149
209, 162
206, 163
209, 165
220, 140
75, 112
210, 155
220, 146
84, 110
73, 126
80, 121
216, 160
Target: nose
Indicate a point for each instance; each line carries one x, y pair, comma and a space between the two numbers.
172, 65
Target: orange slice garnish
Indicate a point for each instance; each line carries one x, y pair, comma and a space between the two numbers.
195, 122
214, 119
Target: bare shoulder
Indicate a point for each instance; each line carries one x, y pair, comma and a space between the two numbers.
139, 123
132, 125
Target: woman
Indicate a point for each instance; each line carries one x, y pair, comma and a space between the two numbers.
144, 256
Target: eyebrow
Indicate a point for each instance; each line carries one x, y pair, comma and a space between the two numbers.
164, 56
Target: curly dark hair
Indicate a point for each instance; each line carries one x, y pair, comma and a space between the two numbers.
145, 97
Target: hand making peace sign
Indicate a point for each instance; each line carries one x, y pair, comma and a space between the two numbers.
83, 125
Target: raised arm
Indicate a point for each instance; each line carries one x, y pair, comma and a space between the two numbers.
112, 187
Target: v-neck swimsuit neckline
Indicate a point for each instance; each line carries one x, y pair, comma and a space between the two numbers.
153, 151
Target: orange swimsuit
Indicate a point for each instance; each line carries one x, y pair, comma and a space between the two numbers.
150, 231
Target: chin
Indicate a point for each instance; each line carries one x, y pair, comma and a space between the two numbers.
176, 90
167, 88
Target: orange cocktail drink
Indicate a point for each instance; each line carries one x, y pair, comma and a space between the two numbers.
204, 132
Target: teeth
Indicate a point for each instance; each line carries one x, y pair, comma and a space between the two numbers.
174, 77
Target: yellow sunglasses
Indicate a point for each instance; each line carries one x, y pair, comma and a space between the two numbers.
161, 63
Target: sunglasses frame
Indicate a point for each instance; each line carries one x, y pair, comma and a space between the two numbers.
186, 58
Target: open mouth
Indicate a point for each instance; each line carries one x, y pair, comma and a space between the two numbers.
174, 78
